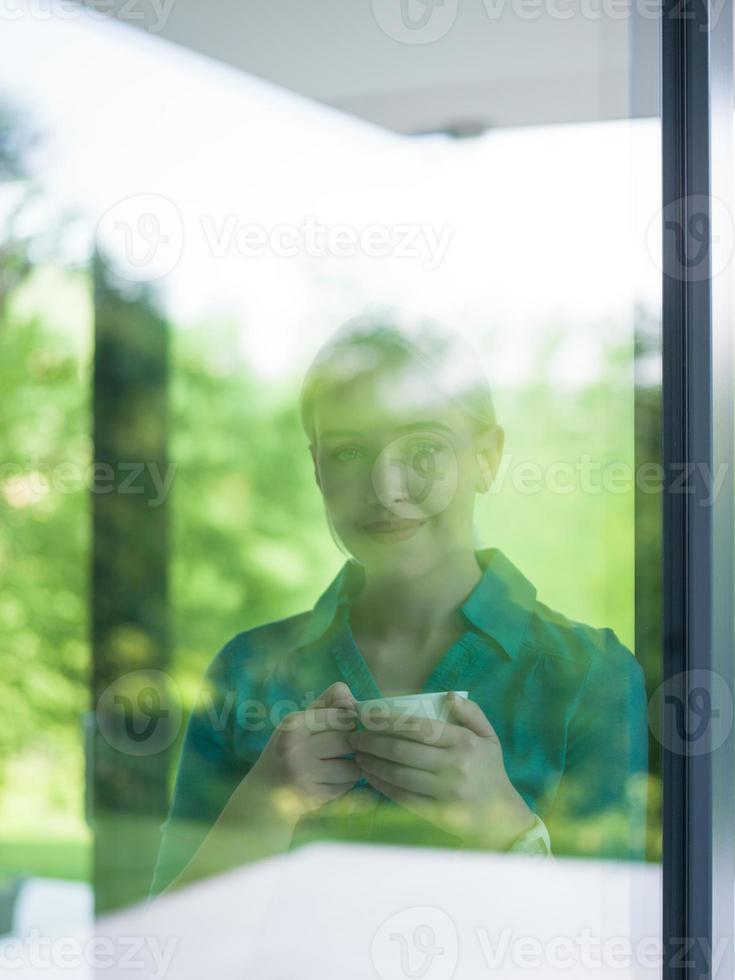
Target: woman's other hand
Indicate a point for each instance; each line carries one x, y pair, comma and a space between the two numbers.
450, 773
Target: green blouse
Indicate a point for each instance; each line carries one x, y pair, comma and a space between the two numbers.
567, 701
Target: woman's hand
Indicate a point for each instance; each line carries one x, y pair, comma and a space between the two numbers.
300, 767
451, 773
297, 771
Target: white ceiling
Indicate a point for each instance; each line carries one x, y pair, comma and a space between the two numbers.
497, 62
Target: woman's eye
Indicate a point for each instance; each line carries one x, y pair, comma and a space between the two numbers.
347, 455
424, 449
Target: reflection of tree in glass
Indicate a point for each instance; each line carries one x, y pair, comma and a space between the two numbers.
44, 373
16, 142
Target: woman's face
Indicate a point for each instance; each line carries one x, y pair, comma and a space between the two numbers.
398, 465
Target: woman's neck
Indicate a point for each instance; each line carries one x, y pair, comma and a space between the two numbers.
419, 604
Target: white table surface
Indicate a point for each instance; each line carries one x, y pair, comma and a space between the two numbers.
385, 913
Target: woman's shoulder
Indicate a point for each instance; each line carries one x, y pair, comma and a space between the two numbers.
541, 633
256, 649
579, 645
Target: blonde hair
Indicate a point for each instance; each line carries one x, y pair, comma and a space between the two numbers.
372, 342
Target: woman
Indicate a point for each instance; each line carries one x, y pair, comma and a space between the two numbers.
550, 748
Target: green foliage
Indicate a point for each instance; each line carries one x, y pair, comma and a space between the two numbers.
250, 543
571, 534
44, 537
67, 859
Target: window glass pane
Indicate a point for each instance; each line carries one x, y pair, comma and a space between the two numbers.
476, 223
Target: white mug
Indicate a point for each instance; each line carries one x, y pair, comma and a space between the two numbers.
381, 714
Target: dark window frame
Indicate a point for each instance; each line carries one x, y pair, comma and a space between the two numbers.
697, 428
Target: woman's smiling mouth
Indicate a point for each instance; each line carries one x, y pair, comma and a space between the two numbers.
394, 530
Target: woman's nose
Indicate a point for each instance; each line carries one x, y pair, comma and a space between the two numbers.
389, 478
